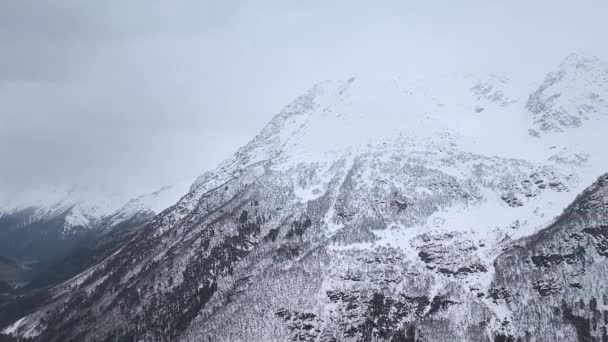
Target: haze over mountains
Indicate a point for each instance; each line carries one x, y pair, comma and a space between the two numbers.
90, 94
465, 208
45, 224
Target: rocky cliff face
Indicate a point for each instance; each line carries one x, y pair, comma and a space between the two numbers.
367, 210
553, 283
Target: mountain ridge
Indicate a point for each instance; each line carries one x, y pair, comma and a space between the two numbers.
361, 211
63, 222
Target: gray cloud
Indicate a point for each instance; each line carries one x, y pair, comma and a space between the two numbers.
138, 93
43, 40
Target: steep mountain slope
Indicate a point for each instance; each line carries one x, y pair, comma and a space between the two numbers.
148, 205
553, 284
367, 210
100, 243
36, 289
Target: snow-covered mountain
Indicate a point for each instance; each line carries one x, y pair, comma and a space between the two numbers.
51, 221
370, 209
83, 207
571, 95
149, 204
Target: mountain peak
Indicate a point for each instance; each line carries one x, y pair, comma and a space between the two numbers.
572, 94
581, 61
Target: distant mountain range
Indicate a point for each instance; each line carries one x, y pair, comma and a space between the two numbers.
51, 226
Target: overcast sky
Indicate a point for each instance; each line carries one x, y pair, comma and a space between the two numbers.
140, 93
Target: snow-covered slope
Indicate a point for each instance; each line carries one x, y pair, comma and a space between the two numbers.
90, 208
571, 95
149, 204
553, 284
83, 207
369, 209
